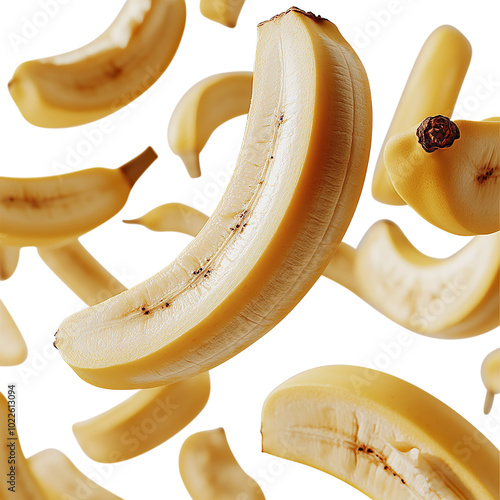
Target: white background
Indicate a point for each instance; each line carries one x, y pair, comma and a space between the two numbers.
330, 326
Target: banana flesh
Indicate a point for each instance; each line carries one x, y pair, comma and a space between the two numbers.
210, 471
101, 77
384, 436
299, 177
9, 258
490, 373
13, 350
57, 209
225, 12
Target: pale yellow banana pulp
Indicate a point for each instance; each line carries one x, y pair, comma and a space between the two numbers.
225, 12
13, 349
292, 196
105, 75
490, 373
382, 435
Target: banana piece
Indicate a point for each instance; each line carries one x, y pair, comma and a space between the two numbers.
490, 373
76, 267
448, 173
225, 12
13, 350
382, 435
207, 105
59, 479
432, 88
144, 421
9, 258
299, 177
107, 74
210, 471
53, 210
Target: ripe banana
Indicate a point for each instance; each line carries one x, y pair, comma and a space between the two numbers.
382, 435
13, 350
490, 373
432, 88
448, 173
210, 471
59, 479
296, 186
107, 74
203, 108
144, 421
225, 12
9, 257
53, 210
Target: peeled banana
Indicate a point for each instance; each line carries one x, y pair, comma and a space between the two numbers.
100, 78
9, 257
490, 373
225, 12
13, 350
54, 210
432, 88
210, 471
382, 435
299, 177
203, 108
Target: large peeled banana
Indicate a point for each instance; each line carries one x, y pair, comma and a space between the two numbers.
490, 373
9, 257
225, 12
203, 108
98, 79
53, 210
295, 188
432, 88
13, 350
382, 435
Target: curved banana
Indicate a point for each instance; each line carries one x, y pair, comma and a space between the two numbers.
225, 12
76, 267
105, 75
53, 210
210, 471
490, 373
382, 435
204, 107
13, 350
299, 177
448, 172
59, 479
432, 88
9, 258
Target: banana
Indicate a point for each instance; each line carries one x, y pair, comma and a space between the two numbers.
13, 350
225, 12
107, 74
9, 258
432, 88
210, 471
448, 173
144, 421
490, 373
53, 210
76, 267
296, 186
59, 479
382, 435
204, 107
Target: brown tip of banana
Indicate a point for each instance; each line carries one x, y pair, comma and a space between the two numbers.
192, 163
437, 132
312, 16
133, 169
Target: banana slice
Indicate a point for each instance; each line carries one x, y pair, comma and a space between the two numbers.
490, 373
225, 12
210, 471
289, 203
9, 258
105, 75
382, 435
13, 349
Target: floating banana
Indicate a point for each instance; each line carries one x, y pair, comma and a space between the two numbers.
432, 88
13, 350
490, 373
225, 12
144, 421
210, 471
9, 257
382, 435
105, 75
53, 210
296, 186
448, 173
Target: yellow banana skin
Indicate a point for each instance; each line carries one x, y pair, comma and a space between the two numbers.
455, 188
144, 421
384, 436
13, 350
490, 373
432, 89
204, 107
225, 12
53, 210
59, 479
210, 471
286, 209
101, 77
9, 258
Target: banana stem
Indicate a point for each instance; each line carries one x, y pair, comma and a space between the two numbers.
133, 169
488, 402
